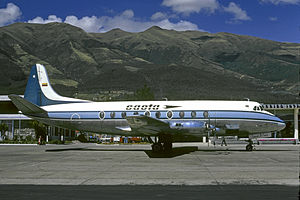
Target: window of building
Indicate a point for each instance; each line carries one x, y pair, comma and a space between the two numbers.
67, 133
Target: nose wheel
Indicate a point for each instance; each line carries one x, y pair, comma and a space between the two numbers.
249, 146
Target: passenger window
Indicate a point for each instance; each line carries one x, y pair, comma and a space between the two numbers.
193, 114
101, 115
169, 114
112, 115
123, 114
181, 114
157, 114
147, 113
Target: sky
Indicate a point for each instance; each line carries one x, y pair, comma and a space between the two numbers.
277, 20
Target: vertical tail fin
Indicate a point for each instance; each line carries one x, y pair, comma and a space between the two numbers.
39, 91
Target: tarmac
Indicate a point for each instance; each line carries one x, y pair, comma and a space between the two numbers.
189, 166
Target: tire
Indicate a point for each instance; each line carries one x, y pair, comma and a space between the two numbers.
168, 147
157, 147
249, 147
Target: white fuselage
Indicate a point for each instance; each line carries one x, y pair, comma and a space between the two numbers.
190, 117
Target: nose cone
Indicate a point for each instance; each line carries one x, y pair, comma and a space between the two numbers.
280, 124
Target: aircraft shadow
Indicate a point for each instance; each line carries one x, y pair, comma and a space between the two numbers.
177, 151
86, 149
240, 150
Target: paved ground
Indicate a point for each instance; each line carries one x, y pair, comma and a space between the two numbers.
196, 164
128, 192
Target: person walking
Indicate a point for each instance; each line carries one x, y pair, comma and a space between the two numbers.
223, 141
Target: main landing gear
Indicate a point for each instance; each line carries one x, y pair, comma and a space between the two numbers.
164, 144
249, 146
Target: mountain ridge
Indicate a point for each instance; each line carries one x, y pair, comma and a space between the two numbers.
177, 65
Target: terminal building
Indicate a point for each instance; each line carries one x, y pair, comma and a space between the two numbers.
20, 125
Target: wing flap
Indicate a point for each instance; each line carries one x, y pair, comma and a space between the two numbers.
147, 125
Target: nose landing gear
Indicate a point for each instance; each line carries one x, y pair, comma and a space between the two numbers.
249, 146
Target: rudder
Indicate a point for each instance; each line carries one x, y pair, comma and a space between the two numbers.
39, 91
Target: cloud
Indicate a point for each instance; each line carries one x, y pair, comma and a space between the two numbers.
128, 23
51, 18
125, 21
238, 13
179, 26
273, 19
127, 14
89, 24
190, 6
159, 16
277, 2
9, 14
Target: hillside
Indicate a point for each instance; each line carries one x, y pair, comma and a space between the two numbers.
177, 65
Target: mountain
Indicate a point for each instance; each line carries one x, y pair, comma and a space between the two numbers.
177, 65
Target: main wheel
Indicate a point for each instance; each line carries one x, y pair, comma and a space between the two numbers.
249, 147
157, 147
167, 146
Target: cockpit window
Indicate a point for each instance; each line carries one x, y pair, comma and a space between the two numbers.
258, 108
261, 108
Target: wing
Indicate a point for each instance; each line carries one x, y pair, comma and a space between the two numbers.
147, 125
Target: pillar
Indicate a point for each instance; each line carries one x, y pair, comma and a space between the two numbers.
62, 134
296, 128
12, 129
19, 128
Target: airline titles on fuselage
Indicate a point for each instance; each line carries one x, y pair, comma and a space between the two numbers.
142, 107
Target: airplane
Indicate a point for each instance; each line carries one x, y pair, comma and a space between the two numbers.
163, 119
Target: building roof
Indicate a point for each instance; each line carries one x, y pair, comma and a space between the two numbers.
14, 117
5, 97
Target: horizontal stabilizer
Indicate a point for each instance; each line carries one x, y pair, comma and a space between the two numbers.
27, 107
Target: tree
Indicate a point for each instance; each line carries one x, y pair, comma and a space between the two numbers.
3, 128
40, 130
144, 94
